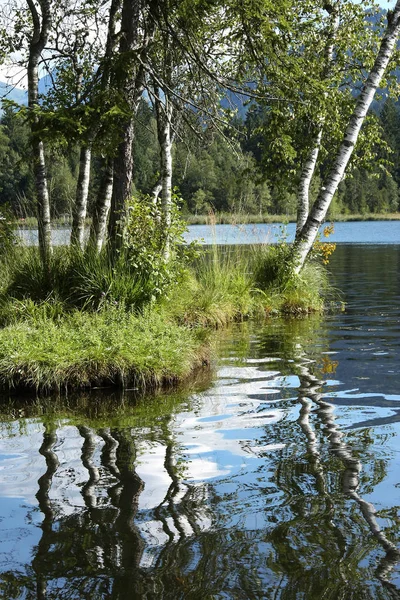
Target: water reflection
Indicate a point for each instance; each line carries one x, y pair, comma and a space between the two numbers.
311, 391
278, 480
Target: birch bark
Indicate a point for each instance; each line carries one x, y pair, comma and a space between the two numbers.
41, 28
156, 191
164, 111
100, 215
306, 239
303, 193
103, 202
82, 192
166, 173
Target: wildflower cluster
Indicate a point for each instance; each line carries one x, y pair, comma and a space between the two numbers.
324, 250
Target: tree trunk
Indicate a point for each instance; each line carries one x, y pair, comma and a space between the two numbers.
156, 191
82, 191
306, 239
122, 187
129, 81
42, 201
166, 176
103, 202
100, 215
137, 35
164, 111
303, 193
41, 28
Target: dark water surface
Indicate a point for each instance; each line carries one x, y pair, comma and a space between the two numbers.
279, 479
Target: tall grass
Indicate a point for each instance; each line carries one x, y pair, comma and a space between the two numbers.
79, 279
87, 320
241, 218
247, 218
283, 291
223, 284
221, 288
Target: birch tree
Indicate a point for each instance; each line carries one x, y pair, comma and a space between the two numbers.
306, 239
164, 112
82, 191
98, 228
305, 58
186, 79
41, 26
310, 164
103, 201
83, 36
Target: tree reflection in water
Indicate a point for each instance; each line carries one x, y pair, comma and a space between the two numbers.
292, 523
46, 507
311, 390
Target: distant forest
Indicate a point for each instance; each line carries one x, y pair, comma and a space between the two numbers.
225, 169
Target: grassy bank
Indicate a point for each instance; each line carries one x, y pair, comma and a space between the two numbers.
88, 322
83, 350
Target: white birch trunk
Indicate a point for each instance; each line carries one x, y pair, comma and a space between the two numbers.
99, 223
303, 193
166, 177
156, 191
306, 239
41, 27
155, 197
164, 110
43, 201
82, 192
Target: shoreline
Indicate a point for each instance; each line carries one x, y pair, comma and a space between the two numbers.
242, 219
234, 219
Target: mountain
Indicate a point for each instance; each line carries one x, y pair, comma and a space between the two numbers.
12, 93
21, 96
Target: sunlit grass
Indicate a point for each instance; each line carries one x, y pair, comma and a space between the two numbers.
84, 349
85, 321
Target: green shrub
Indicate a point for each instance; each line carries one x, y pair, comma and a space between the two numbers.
145, 245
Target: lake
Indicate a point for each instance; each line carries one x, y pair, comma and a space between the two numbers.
278, 477
357, 232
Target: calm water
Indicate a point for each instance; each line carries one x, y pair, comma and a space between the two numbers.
377, 232
280, 478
